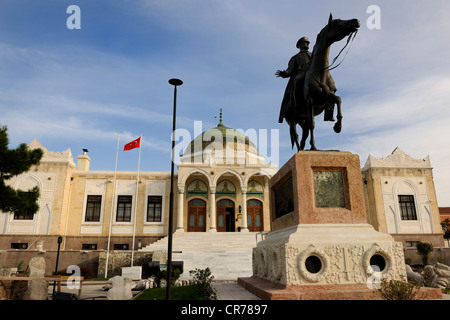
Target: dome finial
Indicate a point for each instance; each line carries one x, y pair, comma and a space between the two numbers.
220, 118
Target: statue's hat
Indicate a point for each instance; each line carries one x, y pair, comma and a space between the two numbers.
301, 40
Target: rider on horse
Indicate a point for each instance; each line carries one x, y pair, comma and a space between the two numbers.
297, 67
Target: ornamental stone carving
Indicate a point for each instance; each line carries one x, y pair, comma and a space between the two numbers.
331, 264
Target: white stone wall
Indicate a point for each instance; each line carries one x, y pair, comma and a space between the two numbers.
392, 187
40, 224
95, 187
155, 188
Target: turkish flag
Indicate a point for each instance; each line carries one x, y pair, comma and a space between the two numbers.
133, 144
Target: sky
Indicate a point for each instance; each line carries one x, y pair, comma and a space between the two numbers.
87, 87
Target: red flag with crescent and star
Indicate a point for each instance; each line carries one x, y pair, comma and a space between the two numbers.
133, 144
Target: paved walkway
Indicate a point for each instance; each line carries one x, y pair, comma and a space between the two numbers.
230, 290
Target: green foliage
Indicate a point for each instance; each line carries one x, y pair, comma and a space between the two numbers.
176, 293
203, 278
20, 265
446, 228
12, 163
424, 249
175, 274
398, 290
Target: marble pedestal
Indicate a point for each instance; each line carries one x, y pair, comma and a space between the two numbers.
321, 246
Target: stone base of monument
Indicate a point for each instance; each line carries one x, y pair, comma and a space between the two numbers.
327, 261
321, 246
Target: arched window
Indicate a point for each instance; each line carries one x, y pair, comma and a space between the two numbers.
225, 203
197, 202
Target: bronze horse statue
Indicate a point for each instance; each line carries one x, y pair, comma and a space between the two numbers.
318, 88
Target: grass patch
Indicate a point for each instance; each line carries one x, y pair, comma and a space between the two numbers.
176, 293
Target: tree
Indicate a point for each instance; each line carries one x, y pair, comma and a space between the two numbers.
12, 163
424, 249
446, 229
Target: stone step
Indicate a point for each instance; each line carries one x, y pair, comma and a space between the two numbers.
228, 255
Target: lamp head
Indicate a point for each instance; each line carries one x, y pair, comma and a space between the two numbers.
175, 82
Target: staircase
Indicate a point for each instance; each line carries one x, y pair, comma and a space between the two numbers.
227, 254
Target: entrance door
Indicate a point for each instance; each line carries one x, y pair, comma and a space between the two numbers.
196, 216
254, 215
225, 216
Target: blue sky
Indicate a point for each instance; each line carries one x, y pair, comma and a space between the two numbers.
81, 88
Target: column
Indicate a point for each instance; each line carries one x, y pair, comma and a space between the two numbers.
180, 213
212, 209
244, 209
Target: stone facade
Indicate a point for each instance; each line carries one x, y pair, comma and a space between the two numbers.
240, 179
397, 175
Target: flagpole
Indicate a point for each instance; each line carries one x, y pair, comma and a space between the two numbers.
112, 207
136, 200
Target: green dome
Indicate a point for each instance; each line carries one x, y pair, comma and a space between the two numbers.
230, 139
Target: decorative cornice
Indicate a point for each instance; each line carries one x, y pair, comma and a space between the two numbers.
50, 156
397, 159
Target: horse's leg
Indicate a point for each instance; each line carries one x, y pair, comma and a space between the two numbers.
305, 133
311, 123
338, 125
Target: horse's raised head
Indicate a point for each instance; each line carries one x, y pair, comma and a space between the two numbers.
337, 29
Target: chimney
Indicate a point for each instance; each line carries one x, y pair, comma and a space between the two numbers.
83, 161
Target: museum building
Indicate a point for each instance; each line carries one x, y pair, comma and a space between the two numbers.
221, 187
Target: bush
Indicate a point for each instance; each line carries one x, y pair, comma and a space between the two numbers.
398, 290
175, 274
424, 249
203, 279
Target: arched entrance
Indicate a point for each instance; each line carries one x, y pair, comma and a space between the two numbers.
225, 216
196, 216
254, 215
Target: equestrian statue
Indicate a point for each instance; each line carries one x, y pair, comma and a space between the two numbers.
311, 89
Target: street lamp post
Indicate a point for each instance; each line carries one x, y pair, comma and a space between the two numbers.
175, 83
56, 265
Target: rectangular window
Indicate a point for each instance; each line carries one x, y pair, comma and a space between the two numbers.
411, 244
93, 207
19, 245
121, 246
154, 208
89, 246
124, 208
407, 207
23, 216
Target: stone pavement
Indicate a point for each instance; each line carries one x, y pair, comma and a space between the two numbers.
225, 290
230, 290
